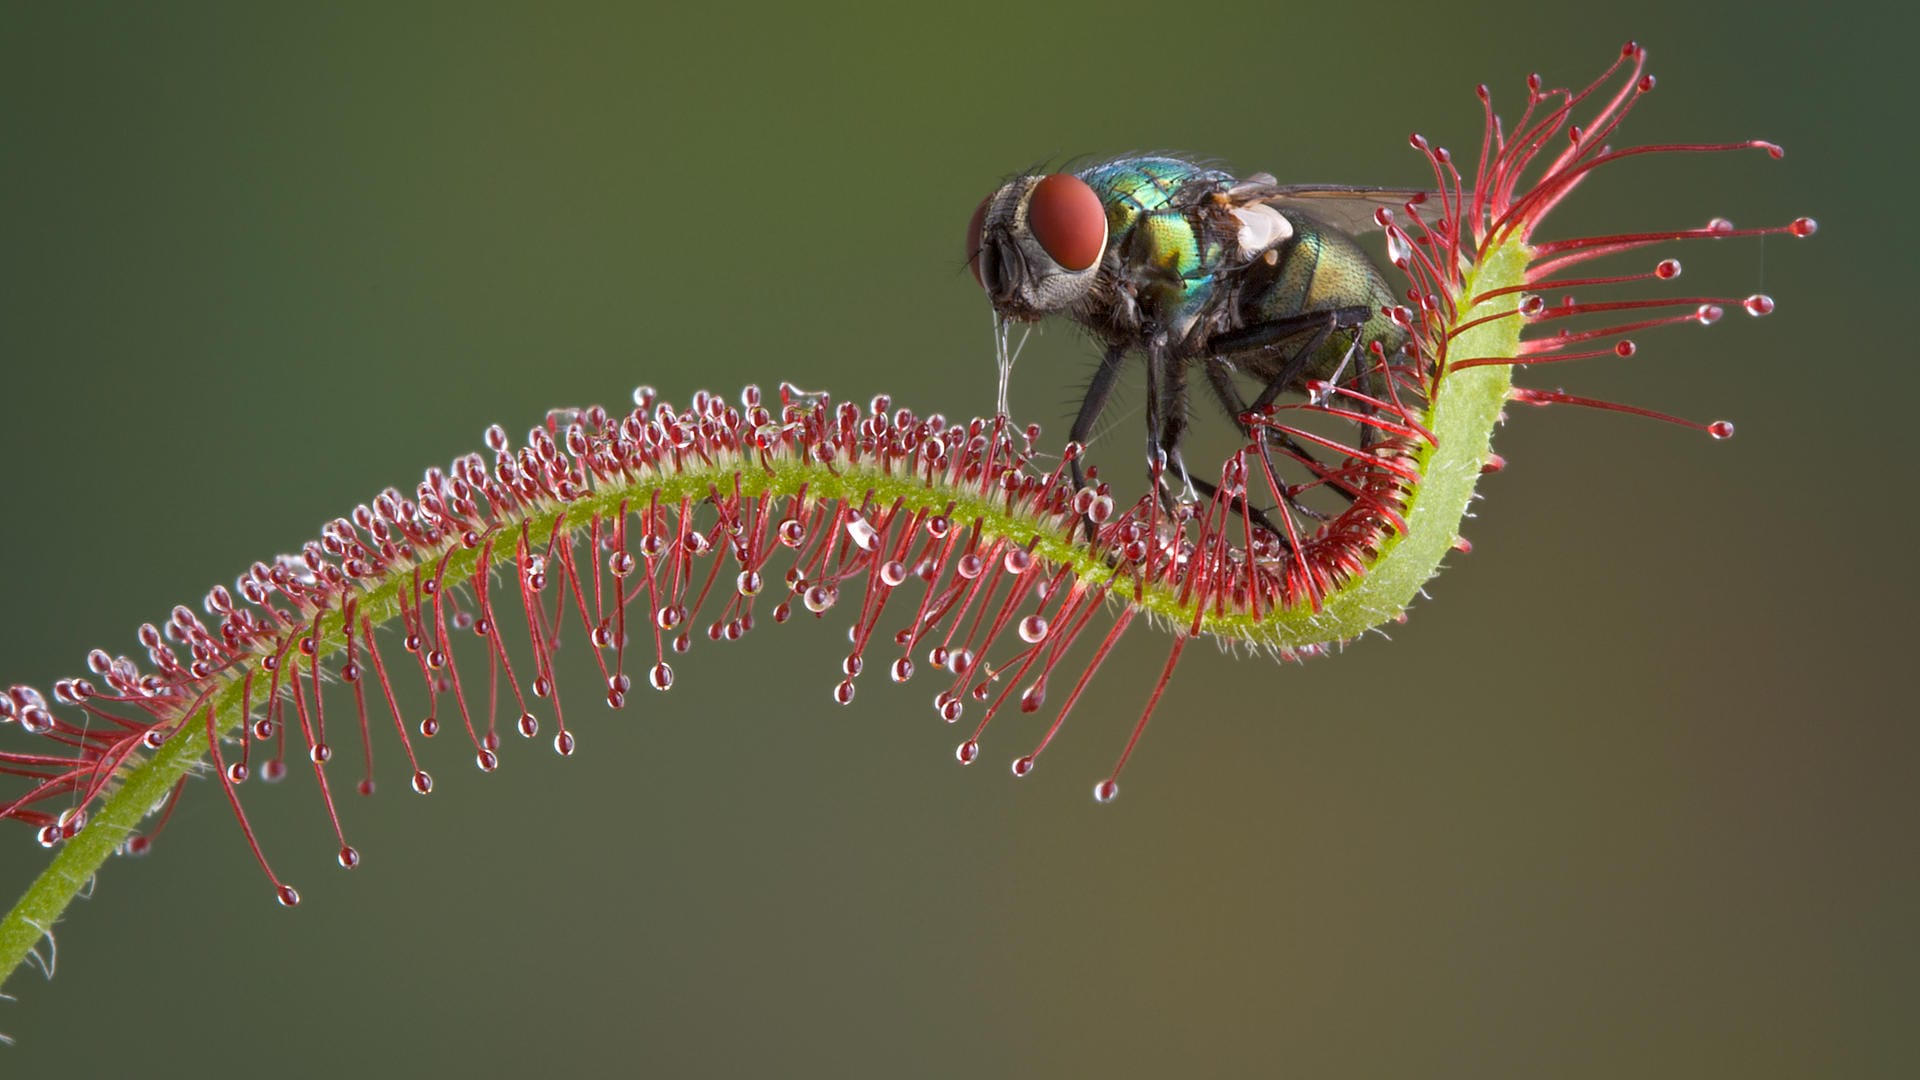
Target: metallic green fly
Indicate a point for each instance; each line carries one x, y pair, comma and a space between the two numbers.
1189, 265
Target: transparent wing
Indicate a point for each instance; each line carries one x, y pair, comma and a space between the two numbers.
1345, 207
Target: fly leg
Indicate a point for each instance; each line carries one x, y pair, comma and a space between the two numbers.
1280, 382
1318, 327
1163, 451
1166, 426
1220, 375
1098, 390
1373, 382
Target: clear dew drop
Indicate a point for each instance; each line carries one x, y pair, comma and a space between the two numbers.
349, 858
660, 677
236, 773
422, 781
1023, 765
969, 566
1105, 791
563, 744
1017, 560
1398, 249
862, 533
892, 573
320, 754
288, 896
1721, 429
429, 727
528, 725
748, 583
487, 760
967, 752
1033, 629
843, 691
1803, 227
902, 670
1758, 304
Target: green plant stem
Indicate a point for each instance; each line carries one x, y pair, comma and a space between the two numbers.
1461, 415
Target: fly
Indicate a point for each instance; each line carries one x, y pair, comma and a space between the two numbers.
1190, 266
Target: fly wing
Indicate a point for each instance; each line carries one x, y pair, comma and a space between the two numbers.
1349, 209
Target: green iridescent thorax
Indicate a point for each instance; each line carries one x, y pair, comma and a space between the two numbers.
1148, 223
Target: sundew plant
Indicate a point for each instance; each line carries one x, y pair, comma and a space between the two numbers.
958, 554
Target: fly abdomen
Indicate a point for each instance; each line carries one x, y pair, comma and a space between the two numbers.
1317, 269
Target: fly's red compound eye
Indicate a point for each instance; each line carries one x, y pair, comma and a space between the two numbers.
974, 225
1066, 217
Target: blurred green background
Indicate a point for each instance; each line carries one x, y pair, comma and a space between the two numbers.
1634, 794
